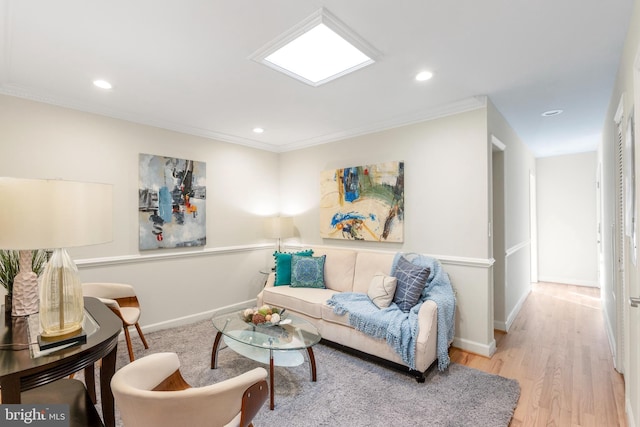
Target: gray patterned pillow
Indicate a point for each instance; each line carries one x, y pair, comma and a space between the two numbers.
307, 272
411, 281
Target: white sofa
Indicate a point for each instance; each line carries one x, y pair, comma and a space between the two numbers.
352, 271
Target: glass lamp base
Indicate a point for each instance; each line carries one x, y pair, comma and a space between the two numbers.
61, 300
74, 338
58, 335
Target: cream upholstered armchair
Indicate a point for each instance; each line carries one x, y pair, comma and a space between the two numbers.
122, 300
151, 392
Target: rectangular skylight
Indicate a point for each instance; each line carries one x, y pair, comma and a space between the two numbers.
317, 50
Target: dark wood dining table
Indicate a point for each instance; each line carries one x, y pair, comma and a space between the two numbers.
22, 368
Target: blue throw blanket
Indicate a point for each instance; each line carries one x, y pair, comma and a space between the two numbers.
400, 329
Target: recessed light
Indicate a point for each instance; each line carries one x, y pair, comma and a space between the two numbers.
424, 76
551, 113
102, 84
317, 50
258, 130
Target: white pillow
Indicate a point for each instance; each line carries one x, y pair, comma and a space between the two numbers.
382, 289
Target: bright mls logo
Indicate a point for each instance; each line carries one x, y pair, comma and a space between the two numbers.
35, 415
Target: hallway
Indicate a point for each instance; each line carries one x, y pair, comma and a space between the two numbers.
558, 350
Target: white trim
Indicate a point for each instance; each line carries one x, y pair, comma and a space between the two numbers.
450, 109
192, 318
631, 422
620, 111
569, 281
475, 347
158, 256
25, 93
505, 326
611, 338
497, 144
444, 259
465, 262
461, 343
513, 249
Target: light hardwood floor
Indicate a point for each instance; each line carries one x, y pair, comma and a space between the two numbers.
558, 351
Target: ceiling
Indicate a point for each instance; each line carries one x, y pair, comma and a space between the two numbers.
185, 65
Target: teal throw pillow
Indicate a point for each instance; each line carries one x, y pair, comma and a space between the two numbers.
411, 281
283, 266
307, 272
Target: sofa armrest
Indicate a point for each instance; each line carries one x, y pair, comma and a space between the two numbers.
427, 335
271, 278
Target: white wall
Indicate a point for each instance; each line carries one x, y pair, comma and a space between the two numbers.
567, 219
44, 141
446, 201
446, 194
621, 320
515, 258
447, 167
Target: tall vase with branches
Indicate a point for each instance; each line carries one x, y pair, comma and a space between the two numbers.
10, 265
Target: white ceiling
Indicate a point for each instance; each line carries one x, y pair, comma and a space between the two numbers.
185, 65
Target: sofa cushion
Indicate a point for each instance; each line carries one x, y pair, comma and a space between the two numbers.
328, 315
308, 301
307, 271
367, 264
283, 266
411, 281
382, 289
338, 268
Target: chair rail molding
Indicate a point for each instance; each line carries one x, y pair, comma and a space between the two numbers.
135, 259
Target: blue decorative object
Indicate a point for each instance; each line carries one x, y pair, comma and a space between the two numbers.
400, 329
283, 266
307, 272
351, 184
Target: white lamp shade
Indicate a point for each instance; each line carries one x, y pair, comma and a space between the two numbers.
48, 214
278, 227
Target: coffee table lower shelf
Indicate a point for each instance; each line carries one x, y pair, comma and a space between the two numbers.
286, 358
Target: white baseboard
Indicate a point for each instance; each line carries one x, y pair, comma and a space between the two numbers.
463, 344
505, 326
192, 318
500, 325
631, 422
475, 347
611, 337
569, 281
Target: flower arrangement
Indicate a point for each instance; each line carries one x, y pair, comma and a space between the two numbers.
264, 314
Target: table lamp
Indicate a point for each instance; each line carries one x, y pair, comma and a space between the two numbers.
278, 227
52, 214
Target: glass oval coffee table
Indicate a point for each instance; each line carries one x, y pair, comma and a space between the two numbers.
277, 345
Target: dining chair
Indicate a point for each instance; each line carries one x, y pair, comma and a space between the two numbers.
122, 300
151, 392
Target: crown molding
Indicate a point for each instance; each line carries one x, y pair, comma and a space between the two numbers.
20, 92
449, 109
